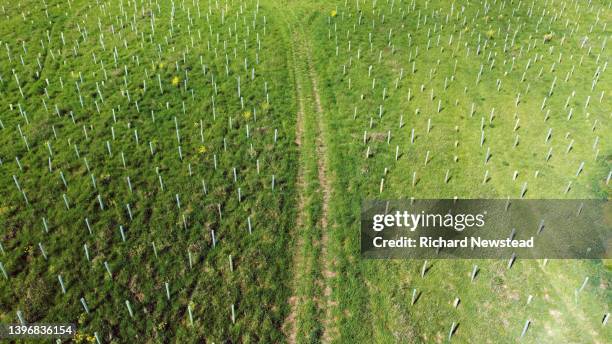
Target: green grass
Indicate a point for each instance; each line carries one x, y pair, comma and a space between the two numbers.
374, 296
196, 39
370, 300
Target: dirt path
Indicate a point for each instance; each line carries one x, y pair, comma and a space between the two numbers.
290, 326
310, 121
329, 329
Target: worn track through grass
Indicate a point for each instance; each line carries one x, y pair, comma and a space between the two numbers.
290, 326
305, 78
326, 263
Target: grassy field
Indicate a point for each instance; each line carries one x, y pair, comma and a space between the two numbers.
163, 148
420, 64
193, 171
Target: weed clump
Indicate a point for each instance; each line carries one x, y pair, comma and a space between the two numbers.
548, 37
